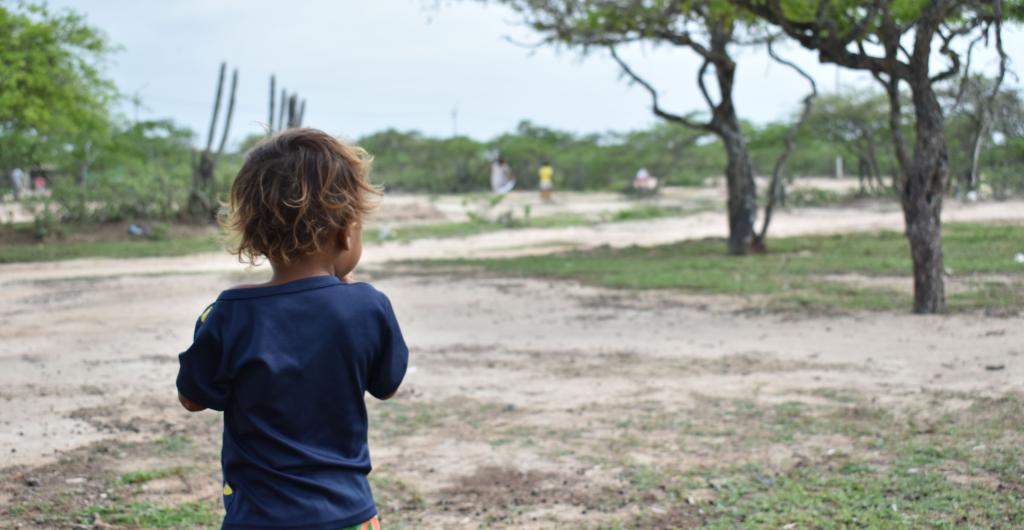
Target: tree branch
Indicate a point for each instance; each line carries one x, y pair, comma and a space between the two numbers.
819, 36
892, 88
658, 111
702, 86
954, 58
775, 187
1003, 58
967, 71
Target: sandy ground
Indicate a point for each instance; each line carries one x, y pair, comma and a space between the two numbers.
88, 350
118, 336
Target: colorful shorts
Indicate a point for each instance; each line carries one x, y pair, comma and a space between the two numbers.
372, 524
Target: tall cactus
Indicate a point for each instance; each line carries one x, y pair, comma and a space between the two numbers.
290, 109
273, 92
202, 203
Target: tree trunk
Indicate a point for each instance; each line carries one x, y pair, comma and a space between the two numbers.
921, 197
739, 177
739, 171
973, 180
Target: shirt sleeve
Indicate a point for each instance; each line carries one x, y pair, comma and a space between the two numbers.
201, 369
389, 364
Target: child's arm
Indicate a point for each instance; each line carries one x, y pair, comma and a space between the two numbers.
189, 405
202, 381
390, 363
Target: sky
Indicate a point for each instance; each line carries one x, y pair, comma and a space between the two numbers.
439, 67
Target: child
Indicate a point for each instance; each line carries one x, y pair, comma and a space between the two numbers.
546, 175
288, 361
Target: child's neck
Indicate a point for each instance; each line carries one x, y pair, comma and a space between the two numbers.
299, 268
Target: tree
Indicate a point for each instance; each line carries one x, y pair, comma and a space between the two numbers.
856, 122
977, 110
705, 27
874, 35
54, 98
141, 172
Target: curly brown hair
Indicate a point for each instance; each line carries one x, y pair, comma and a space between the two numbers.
294, 190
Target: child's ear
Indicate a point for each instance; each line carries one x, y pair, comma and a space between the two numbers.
344, 239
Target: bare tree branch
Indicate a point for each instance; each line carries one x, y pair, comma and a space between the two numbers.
703, 88
954, 57
775, 187
1003, 58
967, 70
892, 88
658, 111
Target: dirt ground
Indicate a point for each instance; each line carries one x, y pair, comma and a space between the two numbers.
512, 413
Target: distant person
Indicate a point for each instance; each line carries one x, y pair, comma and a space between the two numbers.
644, 181
17, 177
502, 180
289, 360
39, 180
546, 176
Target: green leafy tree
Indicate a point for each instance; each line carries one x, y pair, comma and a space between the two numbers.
54, 98
141, 173
856, 124
894, 40
978, 114
709, 28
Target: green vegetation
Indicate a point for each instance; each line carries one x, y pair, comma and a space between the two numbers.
796, 272
147, 475
472, 227
959, 469
61, 250
174, 444
55, 97
148, 515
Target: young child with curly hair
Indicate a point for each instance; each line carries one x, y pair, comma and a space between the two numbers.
288, 361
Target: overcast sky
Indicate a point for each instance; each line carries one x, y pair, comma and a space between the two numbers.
365, 66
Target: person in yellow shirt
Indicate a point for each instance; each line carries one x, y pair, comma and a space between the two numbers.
546, 174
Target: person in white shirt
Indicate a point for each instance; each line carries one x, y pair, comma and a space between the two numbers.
17, 182
502, 180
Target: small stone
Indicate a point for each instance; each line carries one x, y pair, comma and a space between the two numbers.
75, 480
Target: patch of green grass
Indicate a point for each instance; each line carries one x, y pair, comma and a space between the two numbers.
175, 443
140, 477
645, 212
395, 495
960, 469
62, 250
24, 508
470, 228
855, 494
148, 515
989, 295
794, 271
404, 418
